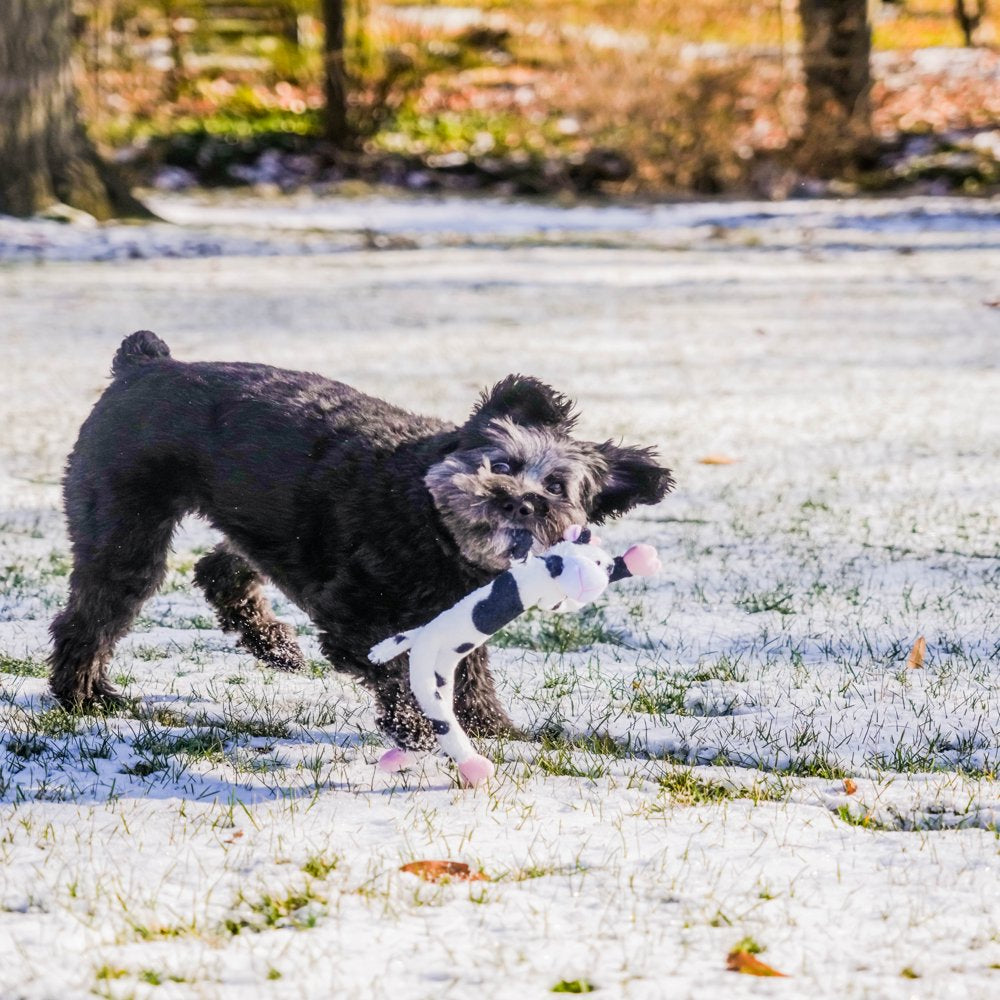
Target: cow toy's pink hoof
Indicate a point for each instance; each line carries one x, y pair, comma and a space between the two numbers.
396, 760
642, 560
476, 770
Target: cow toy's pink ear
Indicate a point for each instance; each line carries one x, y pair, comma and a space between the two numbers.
581, 534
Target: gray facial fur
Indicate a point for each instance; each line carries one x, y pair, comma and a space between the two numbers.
482, 507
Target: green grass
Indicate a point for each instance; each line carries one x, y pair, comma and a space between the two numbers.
295, 910
56, 722
748, 945
150, 654
653, 695
319, 866
865, 820
562, 633
27, 748
110, 972
573, 986
684, 787
777, 599
195, 745
23, 667
144, 768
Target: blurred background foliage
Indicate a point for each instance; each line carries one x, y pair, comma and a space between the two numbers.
527, 96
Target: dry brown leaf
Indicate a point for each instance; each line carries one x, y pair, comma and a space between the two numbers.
717, 460
850, 786
233, 837
436, 871
750, 965
916, 658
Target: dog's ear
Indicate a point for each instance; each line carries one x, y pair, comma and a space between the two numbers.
633, 477
526, 401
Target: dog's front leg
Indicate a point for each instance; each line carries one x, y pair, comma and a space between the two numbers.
397, 714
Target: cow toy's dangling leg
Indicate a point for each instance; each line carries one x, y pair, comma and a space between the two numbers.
432, 680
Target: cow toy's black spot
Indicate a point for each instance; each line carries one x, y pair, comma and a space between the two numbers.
400, 638
584, 538
501, 606
437, 695
554, 564
618, 570
464, 648
439, 727
439, 680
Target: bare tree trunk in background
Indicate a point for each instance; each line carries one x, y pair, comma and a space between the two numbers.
969, 14
336, 126
44, 152
836, 51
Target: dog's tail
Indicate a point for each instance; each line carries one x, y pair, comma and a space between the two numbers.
138, 348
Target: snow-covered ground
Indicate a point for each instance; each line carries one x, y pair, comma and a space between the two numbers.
231, 836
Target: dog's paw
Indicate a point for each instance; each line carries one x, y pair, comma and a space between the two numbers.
396, 760
477, 770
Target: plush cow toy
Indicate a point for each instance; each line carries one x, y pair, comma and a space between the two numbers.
565, 577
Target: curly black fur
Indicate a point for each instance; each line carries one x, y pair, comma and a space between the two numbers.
371, 519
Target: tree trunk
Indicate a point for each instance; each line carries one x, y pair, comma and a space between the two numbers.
45, 155
969, 14
836, 50
336, 126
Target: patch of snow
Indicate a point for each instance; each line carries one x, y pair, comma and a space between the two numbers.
855, 386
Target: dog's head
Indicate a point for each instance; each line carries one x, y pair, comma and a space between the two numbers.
513, 465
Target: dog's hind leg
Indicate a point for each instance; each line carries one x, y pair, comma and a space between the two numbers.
119, 558
477, 706
233, 588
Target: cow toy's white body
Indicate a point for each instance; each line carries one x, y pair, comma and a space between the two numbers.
565, 577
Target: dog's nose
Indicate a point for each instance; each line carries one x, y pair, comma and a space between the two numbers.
525, 506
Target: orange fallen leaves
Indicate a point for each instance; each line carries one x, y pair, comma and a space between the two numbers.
750, 965
717, 460
850, 786
916, 658
437, 871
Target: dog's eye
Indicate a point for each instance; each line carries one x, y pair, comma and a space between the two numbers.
501, 468
555, 487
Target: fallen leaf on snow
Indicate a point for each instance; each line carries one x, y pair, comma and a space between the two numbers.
850, 786
750, 965
435, 871
717, 460
916, 658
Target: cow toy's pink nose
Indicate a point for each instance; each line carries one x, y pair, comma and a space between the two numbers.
642, 560
588, 582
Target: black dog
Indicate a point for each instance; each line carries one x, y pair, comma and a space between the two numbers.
371, 519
